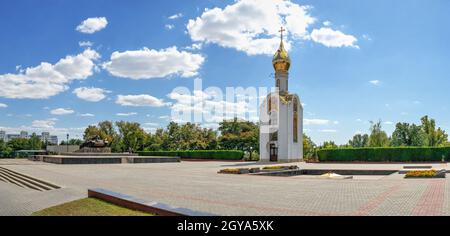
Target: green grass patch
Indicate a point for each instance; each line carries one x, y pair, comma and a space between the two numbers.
89, 207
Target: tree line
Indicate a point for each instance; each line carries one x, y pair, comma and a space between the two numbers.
405, 135
32, 143
125, 136
232, 134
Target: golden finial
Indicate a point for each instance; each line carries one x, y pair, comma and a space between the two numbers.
281, 31
281, 61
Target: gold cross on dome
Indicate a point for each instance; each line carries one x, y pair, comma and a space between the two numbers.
281, 31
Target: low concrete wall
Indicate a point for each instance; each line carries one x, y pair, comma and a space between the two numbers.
62, 149
150, 207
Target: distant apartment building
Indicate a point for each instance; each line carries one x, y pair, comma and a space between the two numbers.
10, 137
44, 137
53, 140
23, 134
3, 135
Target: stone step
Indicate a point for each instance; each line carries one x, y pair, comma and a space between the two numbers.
11, 180
20, 182
26, 181
50, 185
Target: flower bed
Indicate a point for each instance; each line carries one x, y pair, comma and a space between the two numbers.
239, 171
425, 174
280, 168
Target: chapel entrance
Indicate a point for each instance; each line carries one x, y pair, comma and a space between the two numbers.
273, 153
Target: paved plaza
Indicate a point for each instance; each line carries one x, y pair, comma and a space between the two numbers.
196, 185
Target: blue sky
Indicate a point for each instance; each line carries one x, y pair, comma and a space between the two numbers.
353, 61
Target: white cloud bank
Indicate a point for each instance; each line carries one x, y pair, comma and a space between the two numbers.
43, 124
142, 100
148, 63
333, 38
316, 122
47, 80
375, 82
252, 26
2, 105
92, 25
176, 16
126, 114
90, 94
62, 111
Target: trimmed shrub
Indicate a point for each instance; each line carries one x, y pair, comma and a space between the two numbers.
199, 154
421, 174
389, 154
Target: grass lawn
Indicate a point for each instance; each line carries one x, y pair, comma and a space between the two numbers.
88, 207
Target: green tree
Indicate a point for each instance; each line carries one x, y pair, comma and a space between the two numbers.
19, 144
239, 135
308, 147
378, 138
35, 143
435, 137
408, 135
359, 141
328, 145
107, 131
132, 135
77, 142
90, 132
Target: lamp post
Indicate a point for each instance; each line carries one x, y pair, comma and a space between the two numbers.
67, 143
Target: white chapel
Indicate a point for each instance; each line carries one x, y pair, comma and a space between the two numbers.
281, 116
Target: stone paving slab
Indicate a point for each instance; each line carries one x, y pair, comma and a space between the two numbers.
197, 186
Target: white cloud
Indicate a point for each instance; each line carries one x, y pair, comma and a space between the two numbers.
211, 108
92, 25
326, 23
333, 38
328, 131
194, 46
375, 82
148, 63
127, 114
47, 80
90, 94
169, 26
251, 26
62, 111
2, 105
366, 37
316, 122
87, 115
151, 124
142, 100
388, 123
85, 44
176, 16
43, 124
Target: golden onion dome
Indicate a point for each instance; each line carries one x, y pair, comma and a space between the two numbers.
281, 61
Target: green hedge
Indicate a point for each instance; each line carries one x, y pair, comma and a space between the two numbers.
398, 154
207, 155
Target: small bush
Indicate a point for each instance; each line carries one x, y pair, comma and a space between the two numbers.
390, 154
206, 155
421, 174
